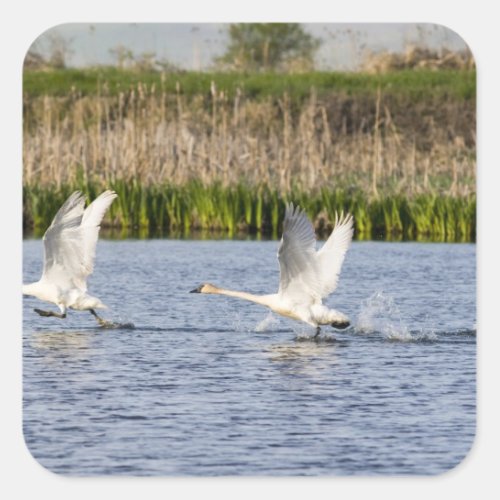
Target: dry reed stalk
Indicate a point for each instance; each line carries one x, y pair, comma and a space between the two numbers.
376, 146
147, 135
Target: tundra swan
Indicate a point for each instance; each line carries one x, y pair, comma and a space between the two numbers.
306, 276
69, 253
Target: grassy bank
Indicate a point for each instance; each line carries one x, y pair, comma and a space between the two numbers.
260, 210
90, 82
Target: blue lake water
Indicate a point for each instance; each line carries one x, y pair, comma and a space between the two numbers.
209, 385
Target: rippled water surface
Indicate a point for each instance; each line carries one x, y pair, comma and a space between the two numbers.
209, 385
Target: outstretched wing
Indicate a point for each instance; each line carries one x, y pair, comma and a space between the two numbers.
70, 241
90, 226
61, 244
331, 255
297, 258
306, 275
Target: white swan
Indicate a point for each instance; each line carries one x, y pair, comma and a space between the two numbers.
69, 253
306, 275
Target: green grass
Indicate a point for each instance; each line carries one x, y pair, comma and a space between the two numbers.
167, 209
415, 84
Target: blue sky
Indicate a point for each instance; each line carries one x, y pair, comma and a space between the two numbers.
193, 46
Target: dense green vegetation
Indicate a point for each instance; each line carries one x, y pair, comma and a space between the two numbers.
160, 209
409, 83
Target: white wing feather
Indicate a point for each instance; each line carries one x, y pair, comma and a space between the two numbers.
331, 255
296, 255
61, 248
70, 241
90, 226
307, 275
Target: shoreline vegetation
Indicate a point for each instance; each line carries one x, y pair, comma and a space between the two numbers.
242, 210
224, 152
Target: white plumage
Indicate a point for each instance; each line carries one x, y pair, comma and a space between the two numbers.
69, 254
307, 276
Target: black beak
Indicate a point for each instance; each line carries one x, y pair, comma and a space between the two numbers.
196, 290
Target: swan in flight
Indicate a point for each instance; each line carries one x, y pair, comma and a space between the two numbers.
69, 253
306, 276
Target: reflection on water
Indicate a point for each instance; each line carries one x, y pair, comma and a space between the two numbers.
55, 341
146, 232
56, 345
153, 232
306, 357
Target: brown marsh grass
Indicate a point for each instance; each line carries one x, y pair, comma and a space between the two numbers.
154, 137
405, 167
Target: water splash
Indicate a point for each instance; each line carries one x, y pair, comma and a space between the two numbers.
426, 332
236, 322
120, 323
380, 313
268, 323
112, 325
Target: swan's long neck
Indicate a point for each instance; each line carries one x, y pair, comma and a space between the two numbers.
264, 300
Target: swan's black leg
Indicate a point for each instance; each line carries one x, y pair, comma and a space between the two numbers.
50, 313
318, 331
100, 320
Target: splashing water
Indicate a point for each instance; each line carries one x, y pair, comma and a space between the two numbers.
379, 313
107, 325
269, 322
120, 323
236, 322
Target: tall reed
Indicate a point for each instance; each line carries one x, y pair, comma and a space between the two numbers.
150, 136
260, 210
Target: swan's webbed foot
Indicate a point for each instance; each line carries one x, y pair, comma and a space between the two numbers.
102, 322
341, 325
50, 313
